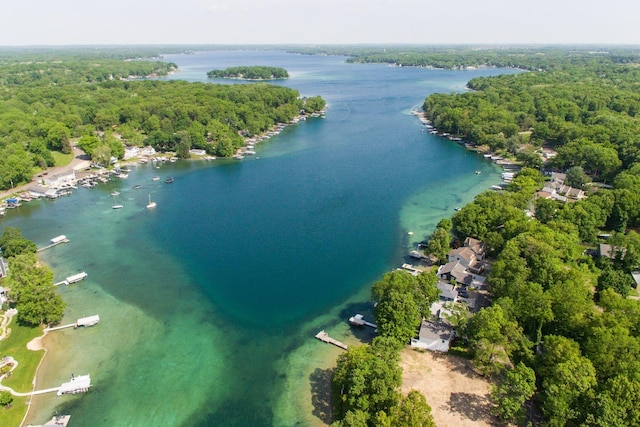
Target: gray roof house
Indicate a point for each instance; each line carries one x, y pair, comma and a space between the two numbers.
434, 336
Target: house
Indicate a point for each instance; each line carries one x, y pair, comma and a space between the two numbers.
37, 191
434, 336
197, 152
447, 291
608, 251
148, 151
59, 180
556, 189
477, 246
131, 152
461, 274
464, 255
4, 295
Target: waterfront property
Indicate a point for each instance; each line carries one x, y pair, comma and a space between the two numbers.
434, 336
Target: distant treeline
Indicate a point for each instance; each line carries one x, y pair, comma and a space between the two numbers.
461, 57
256, 72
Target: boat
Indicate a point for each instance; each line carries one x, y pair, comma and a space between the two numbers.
115, 204
478, 172
151, 204
155, 178
137, 186
169, 180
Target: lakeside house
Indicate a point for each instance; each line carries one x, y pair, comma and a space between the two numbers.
37, 191
131, 152
461, 274
556, 189
433, 336
60, 180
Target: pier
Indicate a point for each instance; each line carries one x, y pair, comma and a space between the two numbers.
358, 320
324, 337
55, 242
72, 279
84, 321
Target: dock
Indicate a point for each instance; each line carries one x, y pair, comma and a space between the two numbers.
358, 320
54, 242
72, 279
84, 321
324, 337
79, 384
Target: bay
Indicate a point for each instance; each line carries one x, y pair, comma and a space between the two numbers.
209, 303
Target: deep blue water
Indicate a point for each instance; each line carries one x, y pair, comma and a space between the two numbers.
211, 293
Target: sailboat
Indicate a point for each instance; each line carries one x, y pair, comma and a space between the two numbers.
151, 204
115, 204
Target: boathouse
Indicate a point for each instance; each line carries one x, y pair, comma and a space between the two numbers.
79, 384
88, 321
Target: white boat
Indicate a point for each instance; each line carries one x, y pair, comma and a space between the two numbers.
151, 204
115, 204
155, 178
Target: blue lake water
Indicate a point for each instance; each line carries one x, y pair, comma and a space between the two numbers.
210, 302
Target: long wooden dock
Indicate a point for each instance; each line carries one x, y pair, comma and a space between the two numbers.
323, 336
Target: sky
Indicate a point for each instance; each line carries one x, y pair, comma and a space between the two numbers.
89, 22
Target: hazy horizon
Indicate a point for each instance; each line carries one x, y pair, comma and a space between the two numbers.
331, 22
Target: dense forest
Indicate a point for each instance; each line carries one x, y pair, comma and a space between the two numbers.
103, 102
561, 338
255, 72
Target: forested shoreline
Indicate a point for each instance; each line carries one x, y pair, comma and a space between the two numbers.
561, 337
107, 101
256, 72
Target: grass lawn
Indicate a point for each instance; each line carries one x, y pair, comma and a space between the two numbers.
61, 159
21, 379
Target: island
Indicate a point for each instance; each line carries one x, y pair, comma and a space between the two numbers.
256, 72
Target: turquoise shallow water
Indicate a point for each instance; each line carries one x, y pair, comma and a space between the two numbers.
209, 303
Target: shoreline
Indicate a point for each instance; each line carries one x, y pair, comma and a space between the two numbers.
35, 403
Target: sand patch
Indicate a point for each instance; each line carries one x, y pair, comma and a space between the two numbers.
35, 344
458, 396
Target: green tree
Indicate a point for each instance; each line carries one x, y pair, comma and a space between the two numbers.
367, 380
439, 243
58, 138
411, 411
398, 316
617, 280
13, 243
5, 398
576, 178
515, 388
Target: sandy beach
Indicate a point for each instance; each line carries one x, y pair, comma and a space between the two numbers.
458, 396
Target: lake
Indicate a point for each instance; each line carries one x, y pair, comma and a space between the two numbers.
209, 303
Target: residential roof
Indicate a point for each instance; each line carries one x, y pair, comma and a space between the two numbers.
447, 290
433, 336
463, 252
